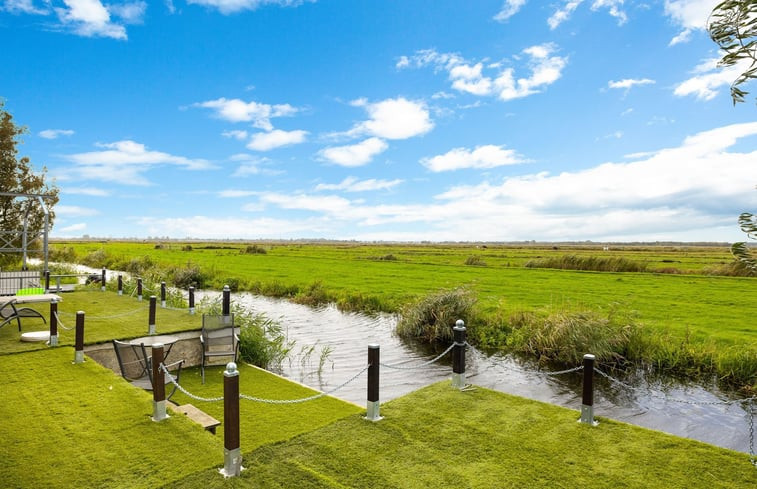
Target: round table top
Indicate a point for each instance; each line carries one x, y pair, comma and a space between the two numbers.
164, 339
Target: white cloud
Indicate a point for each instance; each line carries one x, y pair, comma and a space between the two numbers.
89, 18
23, 7
487, 156
562, 14
91, 191
355, 154
394, 118
55, 133
629, 83
329, 204
233, 6
126, 161
73, 228
509, 8
266, 141
236, 134
233, 194
130, 13
546, 68
352, 184
708, 79
236, 110
217, 227
690, 15
74, 211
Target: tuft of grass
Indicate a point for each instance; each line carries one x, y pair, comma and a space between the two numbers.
475, 260
432, 318
588, 263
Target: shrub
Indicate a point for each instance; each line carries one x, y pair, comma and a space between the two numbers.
432, 318
588, 263
97, 259
313, 295
475, 261
186, 247
262, 341
254, 250
65, 254
188, 276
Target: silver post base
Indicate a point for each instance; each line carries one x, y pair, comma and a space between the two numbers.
151, 329
78, 356
162, 303
53, 340
458, 381
232, 463
120, 292
139, 297
191, 310
102, 289
587, 415
372, 411
159, 411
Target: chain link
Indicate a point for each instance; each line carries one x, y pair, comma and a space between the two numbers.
186, 392
424, 364
561, 372
750, 410
127, 313
304, 399
60, 323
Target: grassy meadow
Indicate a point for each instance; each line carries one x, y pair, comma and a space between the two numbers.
684, 314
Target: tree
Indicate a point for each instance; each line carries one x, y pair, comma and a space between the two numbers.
733, 26
18, 176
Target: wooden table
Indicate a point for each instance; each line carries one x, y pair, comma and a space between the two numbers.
148, 341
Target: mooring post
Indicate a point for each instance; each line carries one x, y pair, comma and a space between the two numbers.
79, 342
47, 281
139, 289
102, 281
151, 315
226, 308
232, 453
373, 404
54, 322
458, 355
158, 384
162, 294
587, 401
191, 300
120, 285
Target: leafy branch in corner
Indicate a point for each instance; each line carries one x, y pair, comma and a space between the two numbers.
733, 26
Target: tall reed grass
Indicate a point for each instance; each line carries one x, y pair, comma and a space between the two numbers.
588, 263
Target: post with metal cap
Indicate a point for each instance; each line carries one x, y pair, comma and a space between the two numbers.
226, 307
151, 316
372, 406
587, 401
158, 384
47, 281
458, 355
191, 300
232, 453
139, 289
79, 343
54, 322
162, 294
120, 285
102, 281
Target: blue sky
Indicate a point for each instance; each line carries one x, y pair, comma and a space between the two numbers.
399, 120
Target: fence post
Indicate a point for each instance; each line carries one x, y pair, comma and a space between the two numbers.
373, 404
54, 322
232, 453
587, 401
226, 308
79, 343
47, 281
158, 384
162, 294
102, 281
151, 316
191, 300
139, 289
120, 285
458, 355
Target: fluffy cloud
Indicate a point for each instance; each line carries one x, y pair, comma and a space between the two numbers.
91, 191
509, 8
126, 161
233, 6
355, 154
266, 141
55, 133
236, 110
394, 118
708, 79
690, 15
629, 83
74, 211
90, 18
352, 184
613, 7
218, 227
545, 67
23, 7
488, 156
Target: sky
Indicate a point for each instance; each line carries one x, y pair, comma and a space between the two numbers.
393, 120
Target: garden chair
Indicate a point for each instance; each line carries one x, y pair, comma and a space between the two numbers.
9, 312
136, 366
218, 338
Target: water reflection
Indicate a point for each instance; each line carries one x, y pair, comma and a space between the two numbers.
348, 335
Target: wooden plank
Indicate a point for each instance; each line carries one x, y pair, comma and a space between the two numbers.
200, 417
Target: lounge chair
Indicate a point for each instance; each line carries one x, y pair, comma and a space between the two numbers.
9, 312
218, 338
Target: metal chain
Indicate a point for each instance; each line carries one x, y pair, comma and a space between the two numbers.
424, 364
186, 392
561, 372
127, 313
750, 408
304, 399
60, 323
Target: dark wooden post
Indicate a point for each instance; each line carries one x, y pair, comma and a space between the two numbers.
458, 355
102, 281
139, 289
120, 285
232, 454
226, 307
151, 315
47, 281
158, 384
162, 294
79, 343
373, 404
587, 399
54, 322
191, 300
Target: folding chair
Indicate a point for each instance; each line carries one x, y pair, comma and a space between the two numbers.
136, 366
218, 338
